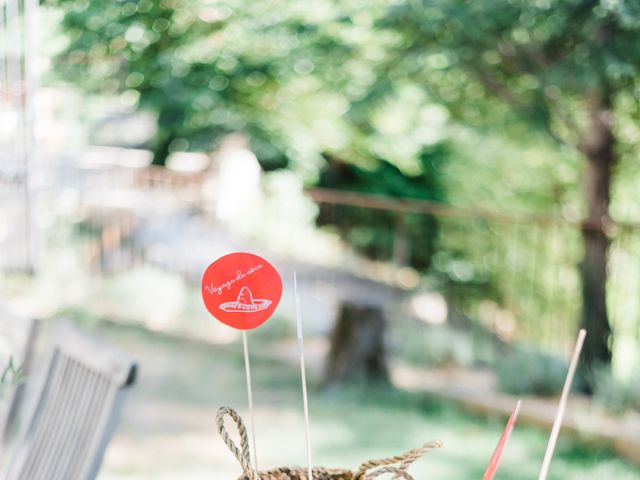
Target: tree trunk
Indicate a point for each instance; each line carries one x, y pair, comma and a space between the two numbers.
165, 134
161, 149
357, 345
599, 150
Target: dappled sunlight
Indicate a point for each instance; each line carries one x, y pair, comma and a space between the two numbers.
430, 307
447, 193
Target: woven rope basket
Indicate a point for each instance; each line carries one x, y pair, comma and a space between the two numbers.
396, 466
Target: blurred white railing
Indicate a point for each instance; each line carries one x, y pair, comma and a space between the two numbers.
18, 152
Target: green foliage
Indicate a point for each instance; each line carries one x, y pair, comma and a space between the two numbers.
361, 86
204, 69
489, 61
613, 394
529, 371
11, 375
377, 233
432, 346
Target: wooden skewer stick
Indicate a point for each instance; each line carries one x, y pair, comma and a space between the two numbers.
557, 423
497, 453
247, 369
303, 374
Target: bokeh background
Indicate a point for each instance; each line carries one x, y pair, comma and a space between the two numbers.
455, 183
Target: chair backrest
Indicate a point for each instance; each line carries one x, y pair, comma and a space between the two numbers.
73, 411
17, 345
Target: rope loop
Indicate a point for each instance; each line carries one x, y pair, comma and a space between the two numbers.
396, 465
244, 457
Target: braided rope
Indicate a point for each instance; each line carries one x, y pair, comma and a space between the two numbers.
299, 473
390, 464
396, 465
243, 457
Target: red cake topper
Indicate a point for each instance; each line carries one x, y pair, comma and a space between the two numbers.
241, 290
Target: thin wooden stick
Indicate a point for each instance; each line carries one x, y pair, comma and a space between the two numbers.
497, 453
557, 423
303, 374
247, 369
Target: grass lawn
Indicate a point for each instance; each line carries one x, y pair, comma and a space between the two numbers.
168, 432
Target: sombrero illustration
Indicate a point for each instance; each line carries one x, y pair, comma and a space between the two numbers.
245, 303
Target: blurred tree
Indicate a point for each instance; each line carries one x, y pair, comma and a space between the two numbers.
205, 69
563, 67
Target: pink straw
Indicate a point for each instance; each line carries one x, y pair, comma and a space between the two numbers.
497, 453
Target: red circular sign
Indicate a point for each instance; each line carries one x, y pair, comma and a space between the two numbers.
241, 290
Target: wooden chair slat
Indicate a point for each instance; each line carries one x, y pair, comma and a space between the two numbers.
48, 416
44, 415
74, 410
84, 422
66, 419
90, 404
